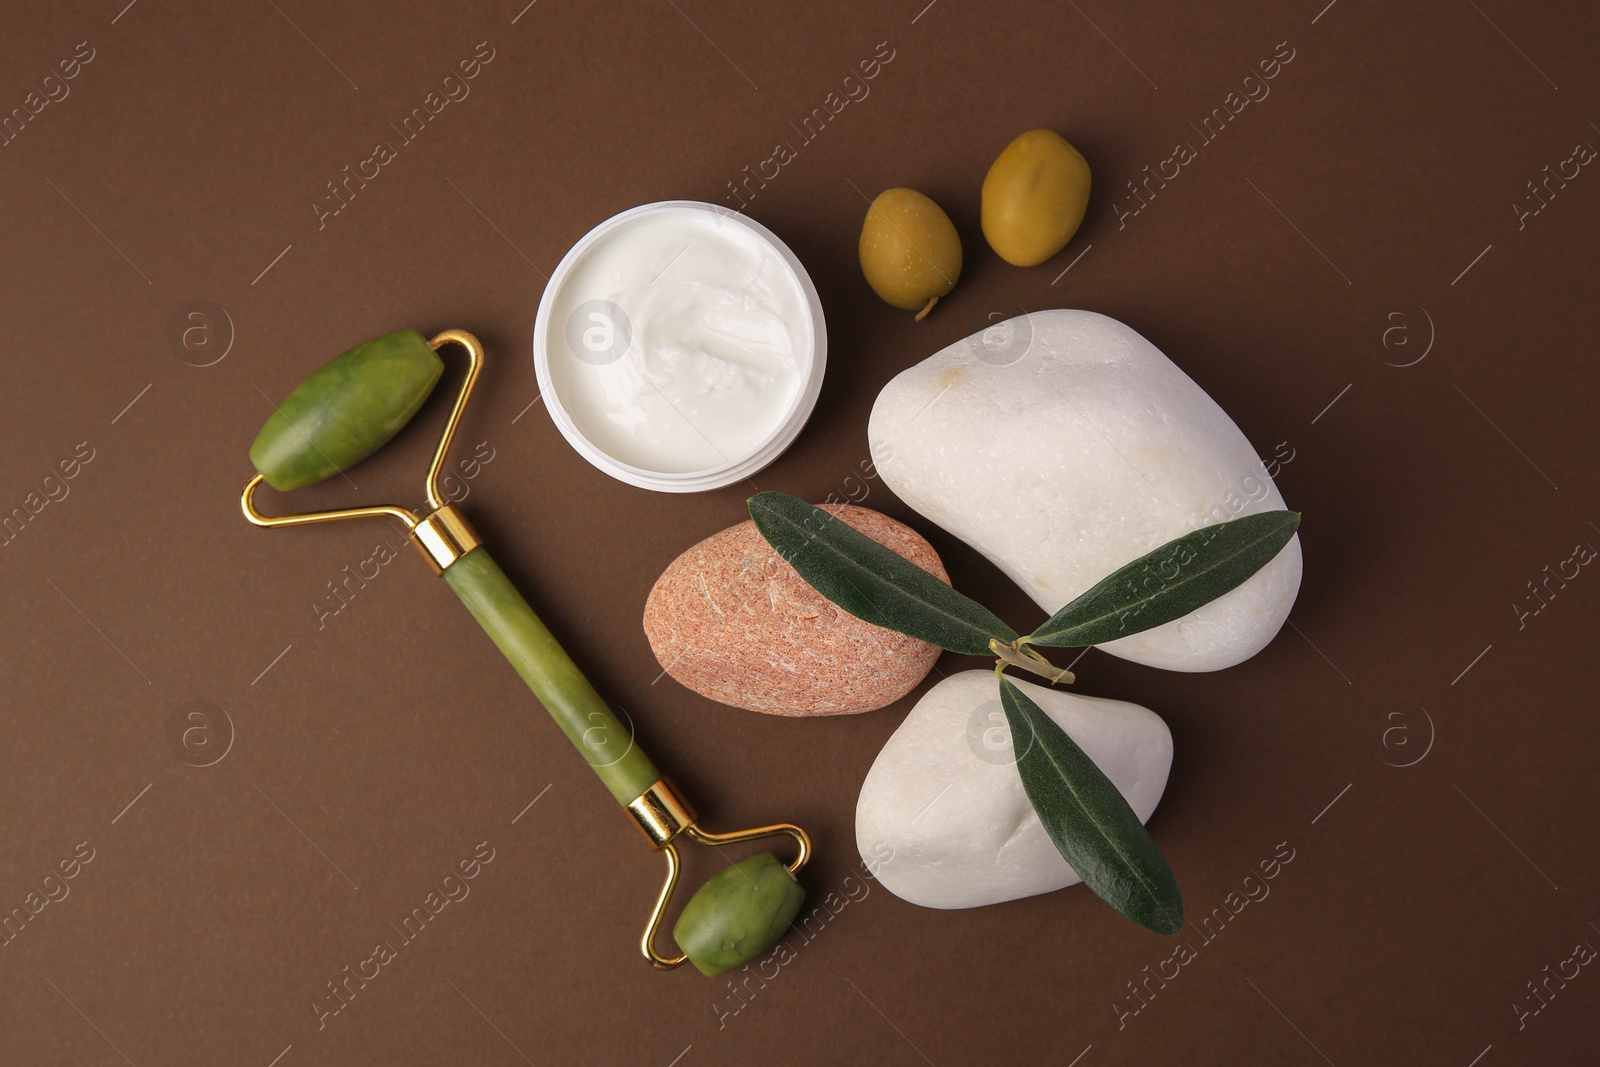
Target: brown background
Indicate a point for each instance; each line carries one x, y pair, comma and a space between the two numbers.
378, 750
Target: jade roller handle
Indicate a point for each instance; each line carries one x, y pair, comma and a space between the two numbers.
572, 702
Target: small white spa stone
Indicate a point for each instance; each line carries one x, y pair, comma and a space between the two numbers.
1063, 445
943, 815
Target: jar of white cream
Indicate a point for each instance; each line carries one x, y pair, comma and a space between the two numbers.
680, 346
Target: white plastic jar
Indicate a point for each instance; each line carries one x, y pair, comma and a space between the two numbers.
680, 346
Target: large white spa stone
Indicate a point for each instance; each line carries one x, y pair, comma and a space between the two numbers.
1063, 445
943, 819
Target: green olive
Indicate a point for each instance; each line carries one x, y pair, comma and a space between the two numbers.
346, 410
738, 914
909, 249
1034, 197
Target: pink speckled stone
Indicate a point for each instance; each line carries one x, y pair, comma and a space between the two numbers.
734, 622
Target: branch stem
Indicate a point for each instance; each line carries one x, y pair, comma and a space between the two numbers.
1031, 662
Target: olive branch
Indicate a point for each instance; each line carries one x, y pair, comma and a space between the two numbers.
1085, 815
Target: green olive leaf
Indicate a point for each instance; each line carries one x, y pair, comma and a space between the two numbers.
1089, 820
1170, 582
872, 582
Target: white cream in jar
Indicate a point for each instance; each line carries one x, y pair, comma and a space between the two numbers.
681, 343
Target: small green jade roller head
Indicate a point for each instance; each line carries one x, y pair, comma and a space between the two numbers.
350, 408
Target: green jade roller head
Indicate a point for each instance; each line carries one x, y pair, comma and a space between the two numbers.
349, 409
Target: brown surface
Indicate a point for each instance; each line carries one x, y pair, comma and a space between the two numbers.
379, 750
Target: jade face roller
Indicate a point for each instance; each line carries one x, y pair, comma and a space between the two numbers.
349, 409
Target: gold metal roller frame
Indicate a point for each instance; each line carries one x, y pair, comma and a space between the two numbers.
445, 538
